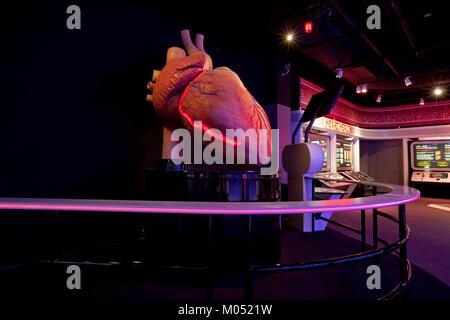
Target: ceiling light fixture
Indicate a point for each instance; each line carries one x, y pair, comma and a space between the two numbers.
289, 37
379, 98
339, 73
308, 27
364, 88
358, 89
422, 102
438, 91
408, 81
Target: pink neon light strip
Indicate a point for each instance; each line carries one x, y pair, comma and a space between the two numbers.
204, 127
212, 210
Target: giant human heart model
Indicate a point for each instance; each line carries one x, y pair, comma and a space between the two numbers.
188, 89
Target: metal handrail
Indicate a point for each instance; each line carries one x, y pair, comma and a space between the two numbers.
330, 261
398, 246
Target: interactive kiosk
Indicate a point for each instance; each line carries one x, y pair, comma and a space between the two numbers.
344, 156
344, 167
302, 160
341, 165
430, 162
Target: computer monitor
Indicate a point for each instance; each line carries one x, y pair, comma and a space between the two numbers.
344, 156
321, 104
323, 141
430, 155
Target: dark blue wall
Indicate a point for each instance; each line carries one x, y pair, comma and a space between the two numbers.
73, 116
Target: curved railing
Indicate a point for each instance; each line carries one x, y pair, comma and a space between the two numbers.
395, 196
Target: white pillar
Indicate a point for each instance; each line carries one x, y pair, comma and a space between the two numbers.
405, 161
332, 155
355, 155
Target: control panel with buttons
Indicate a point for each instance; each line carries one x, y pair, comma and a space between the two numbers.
439, 177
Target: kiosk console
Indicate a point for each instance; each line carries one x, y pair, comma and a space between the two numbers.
430, 162
344, 166
344, 163
356, 176
330, 183
324, 142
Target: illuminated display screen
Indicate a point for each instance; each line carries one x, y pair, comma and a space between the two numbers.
323, 142
344, 155
433, 155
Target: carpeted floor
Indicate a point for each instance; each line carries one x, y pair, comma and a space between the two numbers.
429, 245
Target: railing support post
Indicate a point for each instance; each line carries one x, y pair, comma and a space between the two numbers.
363, 223
209, 285
248, 287
313, 222
52, 270
403, 253
375, 226
363, 230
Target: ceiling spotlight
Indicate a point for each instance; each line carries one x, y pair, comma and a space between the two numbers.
408, 81
422, 102
438, 91
308, 27
289, 37
364, 88
339, 73
379, 98
358, 89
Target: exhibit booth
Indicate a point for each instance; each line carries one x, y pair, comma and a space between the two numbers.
406, 152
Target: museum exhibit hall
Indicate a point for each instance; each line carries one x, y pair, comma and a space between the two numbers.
186, 155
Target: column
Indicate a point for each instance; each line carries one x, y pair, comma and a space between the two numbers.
356, 155
332, 155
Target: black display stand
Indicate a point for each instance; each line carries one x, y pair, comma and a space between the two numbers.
190, 183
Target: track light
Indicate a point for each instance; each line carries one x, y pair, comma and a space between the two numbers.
379, 98
364, 88
422, 102
358, 89
339, 73
408, 81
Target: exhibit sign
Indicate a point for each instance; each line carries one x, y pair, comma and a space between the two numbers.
337, 126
